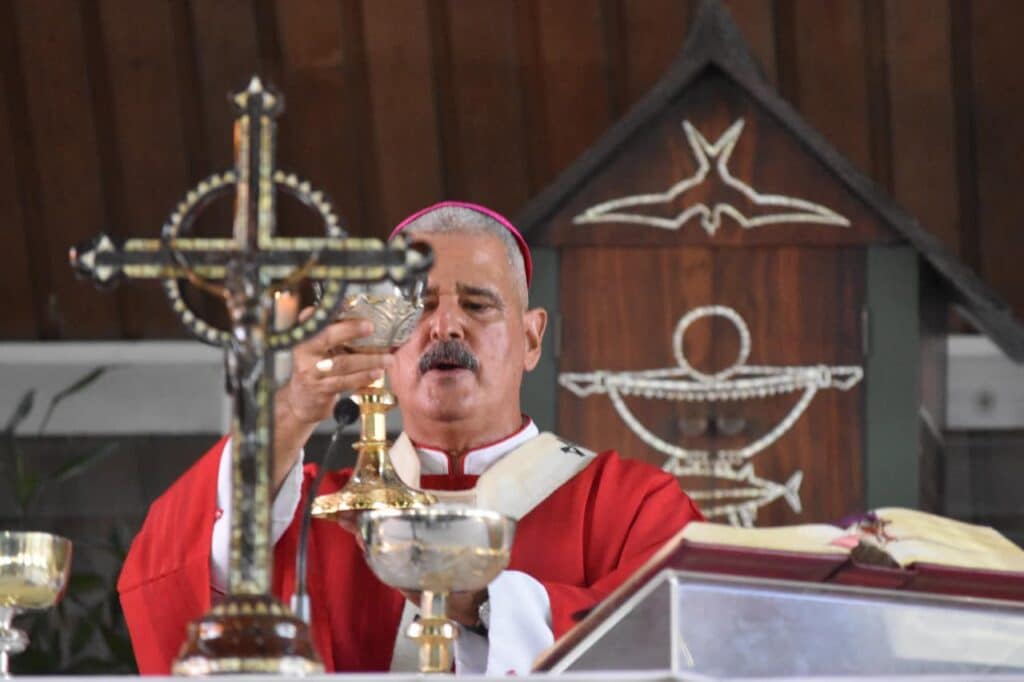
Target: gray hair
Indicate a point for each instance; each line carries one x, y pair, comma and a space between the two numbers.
462, 220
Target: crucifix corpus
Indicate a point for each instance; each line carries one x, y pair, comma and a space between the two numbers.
250, 631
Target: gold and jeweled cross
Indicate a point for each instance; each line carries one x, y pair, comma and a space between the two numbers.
245, 271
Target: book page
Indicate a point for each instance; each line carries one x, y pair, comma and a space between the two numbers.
809, 538
913, 536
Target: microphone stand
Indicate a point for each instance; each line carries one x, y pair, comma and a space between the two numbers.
345, 412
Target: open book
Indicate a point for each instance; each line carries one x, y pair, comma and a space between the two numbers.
891, 536
892, 549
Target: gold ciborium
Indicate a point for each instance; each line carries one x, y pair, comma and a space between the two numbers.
34, 570
394, 311
436, 551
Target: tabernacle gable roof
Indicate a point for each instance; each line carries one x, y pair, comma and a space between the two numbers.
716, 41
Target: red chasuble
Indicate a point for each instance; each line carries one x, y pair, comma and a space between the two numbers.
580, 543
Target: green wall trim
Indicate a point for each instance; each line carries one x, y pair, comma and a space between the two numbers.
540, 387
892, 394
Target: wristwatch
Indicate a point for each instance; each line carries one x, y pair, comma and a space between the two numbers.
483, 618
483, 613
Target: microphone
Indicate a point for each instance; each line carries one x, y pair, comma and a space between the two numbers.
346, 411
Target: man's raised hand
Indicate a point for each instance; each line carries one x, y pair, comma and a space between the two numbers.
321, 371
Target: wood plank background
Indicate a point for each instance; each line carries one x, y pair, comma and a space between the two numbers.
605, 286
110, 109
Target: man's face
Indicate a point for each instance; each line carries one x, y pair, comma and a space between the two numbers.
466, 359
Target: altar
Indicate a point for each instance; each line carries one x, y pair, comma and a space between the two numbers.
693, 626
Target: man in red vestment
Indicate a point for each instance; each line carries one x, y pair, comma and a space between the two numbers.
457, 381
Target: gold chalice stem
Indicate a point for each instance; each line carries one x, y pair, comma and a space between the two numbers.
435, 633
374, 483
12, 641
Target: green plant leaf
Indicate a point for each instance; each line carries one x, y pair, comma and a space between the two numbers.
120, 539
13, 466
26, 488
81, 637
21, 411
86, 582
119, 644
34, 661
82, 585
79, 465
92, 666
82, 383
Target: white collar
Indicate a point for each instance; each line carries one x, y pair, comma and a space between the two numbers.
478, 460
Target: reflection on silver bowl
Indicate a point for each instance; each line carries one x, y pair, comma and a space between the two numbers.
439, 548
394, 310
394, 318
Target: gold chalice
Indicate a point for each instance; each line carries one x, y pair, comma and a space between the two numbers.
394, 311
34, 570
436, 551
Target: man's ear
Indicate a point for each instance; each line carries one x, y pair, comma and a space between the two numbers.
535, 321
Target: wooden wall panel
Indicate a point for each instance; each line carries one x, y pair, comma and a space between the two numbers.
653, 33
395, 103
15, 274
150, 169
486, 156
59, 103
756, 20
791, 325
226, 54
573, 61
923, 127
962, 55
765, 156
999, 101
613, 293
218, 52
607, 295
830, 73
325, 137
403, 97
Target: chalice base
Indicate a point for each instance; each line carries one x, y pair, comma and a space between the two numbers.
12, 642
345, 505
248, 634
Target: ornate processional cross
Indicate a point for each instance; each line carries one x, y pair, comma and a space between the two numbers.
250, 631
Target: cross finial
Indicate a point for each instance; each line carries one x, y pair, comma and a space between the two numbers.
265, 99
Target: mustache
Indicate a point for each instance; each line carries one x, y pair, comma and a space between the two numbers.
448, 353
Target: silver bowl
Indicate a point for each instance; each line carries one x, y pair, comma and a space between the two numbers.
439, 548
394, 311
435, 551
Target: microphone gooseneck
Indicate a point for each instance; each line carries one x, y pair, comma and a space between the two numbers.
346, 411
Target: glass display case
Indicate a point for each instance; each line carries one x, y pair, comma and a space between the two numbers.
683, 623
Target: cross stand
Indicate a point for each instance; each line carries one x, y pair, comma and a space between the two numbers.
250, 631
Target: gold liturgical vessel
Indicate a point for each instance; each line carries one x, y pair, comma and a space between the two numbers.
34, 570
394, 311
